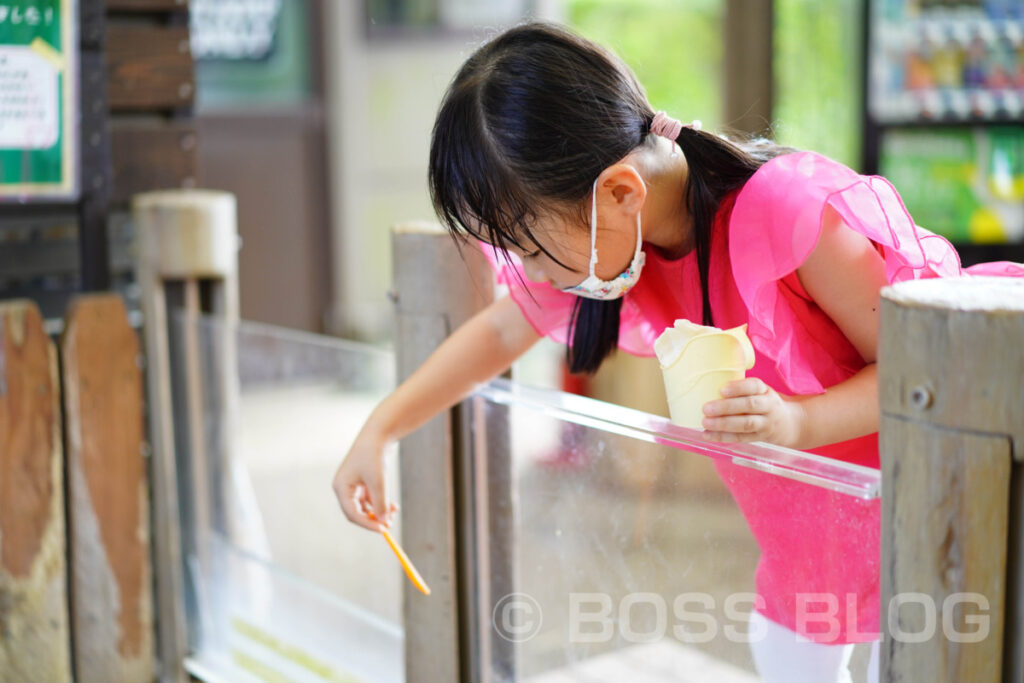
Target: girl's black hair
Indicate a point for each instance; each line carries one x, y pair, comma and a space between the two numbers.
529, 122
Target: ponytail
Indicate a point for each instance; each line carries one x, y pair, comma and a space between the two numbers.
595, 333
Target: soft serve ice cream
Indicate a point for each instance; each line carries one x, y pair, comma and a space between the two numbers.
696, 362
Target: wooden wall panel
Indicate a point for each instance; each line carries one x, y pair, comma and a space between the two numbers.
149, 67
34, 645
112, 610
284, 269
152, 156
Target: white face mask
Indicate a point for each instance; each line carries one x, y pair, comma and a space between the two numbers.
596, 288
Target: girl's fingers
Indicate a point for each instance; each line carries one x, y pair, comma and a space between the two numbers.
366, 508
745, 405
744, 387
352, 505
377, 500
730, 437
736, 424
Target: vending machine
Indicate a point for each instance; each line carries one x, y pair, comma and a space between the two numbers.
944, 117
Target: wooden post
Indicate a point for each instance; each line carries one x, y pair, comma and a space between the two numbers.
34, 635
108, 511
436, 291
188, 241
747, 92
951, 363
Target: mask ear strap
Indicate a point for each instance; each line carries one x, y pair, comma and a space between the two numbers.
593, 231
639, 238
639, 234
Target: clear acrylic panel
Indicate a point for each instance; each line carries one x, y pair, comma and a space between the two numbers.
636, 550
617, 546
280, 585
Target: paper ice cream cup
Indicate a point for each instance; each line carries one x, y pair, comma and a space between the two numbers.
686, 407
696, 362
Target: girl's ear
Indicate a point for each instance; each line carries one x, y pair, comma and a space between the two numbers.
626, 185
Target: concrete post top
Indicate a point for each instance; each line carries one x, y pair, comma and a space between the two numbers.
418, 228
187, 233
968, 293
183, 198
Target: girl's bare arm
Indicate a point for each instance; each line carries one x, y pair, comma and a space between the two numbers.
845, 274
486, 345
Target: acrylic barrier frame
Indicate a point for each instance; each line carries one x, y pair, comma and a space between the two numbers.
835, 475
496, 569
269, 359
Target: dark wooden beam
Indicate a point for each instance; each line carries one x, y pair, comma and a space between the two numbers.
94, 149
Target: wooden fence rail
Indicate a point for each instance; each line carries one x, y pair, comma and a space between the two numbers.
102, 628
35, 644
108, 534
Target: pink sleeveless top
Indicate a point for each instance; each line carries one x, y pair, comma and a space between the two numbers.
813, 542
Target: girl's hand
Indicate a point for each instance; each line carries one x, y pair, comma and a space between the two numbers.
750, 410
359, 483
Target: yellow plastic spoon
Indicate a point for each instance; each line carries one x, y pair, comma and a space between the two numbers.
406, 563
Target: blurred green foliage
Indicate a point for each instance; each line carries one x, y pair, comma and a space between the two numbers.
817, 69
675, 47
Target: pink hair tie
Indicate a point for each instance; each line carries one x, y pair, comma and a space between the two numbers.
668, 127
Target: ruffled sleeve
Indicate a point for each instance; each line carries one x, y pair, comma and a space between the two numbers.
775, 225
547, 309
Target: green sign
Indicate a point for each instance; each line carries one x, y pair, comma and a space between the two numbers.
38, 63
966, 184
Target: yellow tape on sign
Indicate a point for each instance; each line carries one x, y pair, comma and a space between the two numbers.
47, 52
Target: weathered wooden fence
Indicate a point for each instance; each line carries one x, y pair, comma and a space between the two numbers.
952, 441
76, 597
104, 548
33, 567
76, 567
108, 510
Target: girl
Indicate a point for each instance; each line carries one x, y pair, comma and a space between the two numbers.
608, 222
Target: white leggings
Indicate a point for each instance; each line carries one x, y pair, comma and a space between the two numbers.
783, 656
